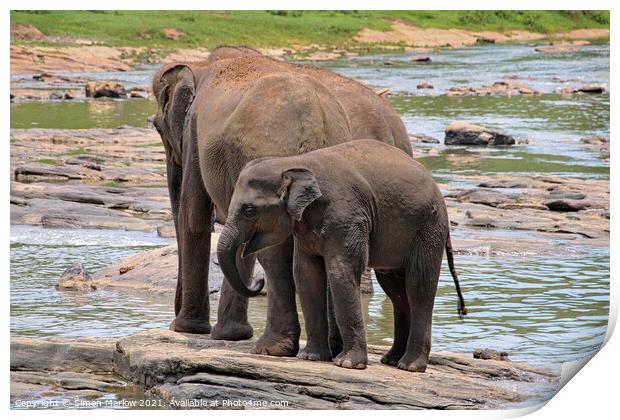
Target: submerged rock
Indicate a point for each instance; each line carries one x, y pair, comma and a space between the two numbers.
463, 133
76, 278
557, 49
420, 59
107, 89
422, 138
490, 354
425, 85
55, 96
591, 89
501, 87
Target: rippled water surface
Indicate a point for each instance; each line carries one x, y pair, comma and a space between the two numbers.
542, 309
538, 309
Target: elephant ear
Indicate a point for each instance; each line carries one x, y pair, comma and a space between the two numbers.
174, 88
299, 189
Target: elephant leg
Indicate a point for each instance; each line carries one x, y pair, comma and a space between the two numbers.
344, 279
335, 339
311, 285
194, 249
421, 280
174, 177
393, 283
232, 312
281, 336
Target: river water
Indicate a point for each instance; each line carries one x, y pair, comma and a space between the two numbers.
539, 309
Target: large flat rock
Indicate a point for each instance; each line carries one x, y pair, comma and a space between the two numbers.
182, 369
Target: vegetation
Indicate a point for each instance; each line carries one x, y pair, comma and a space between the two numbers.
280, 28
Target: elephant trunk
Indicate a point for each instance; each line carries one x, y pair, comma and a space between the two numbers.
227, 247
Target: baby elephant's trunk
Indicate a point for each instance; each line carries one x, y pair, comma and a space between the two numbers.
449, 254
227, 248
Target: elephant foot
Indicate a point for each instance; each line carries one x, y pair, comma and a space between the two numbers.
414, 363
190, 326
232, 331
315, 354
352, 359
392, 357
273, 345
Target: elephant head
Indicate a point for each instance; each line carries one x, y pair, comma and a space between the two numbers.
264, 206
174, 86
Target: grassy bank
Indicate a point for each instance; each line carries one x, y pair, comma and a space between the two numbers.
280, 28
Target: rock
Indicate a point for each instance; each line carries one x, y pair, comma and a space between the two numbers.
502, 87
556, 49
503, 183
93, 166
485, 40
425, 85
521, 206
490, 354
156, 271
55, 96
422, 138
138, 93
38, 172
89, 89
462, 133
598, 143
595, 140
68, 96
420, 59
76, 278
484, 196
180, 367
107, 90
486, 222
110, 90
566, 205
566, 194
166, 231
591, 89
322, 56
65, 370
18, 201
524, 90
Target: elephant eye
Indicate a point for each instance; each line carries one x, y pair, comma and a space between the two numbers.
249, 211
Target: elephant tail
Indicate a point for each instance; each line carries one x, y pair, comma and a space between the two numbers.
450, 256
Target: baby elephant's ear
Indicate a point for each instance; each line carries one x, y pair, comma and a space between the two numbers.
299, 189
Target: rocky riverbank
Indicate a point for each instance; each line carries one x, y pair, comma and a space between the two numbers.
180, 370
115, 179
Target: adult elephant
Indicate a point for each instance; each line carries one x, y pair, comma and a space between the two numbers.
214, 117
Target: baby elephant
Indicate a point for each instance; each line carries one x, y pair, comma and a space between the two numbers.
355, 204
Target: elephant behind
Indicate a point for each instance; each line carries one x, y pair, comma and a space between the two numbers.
214, 117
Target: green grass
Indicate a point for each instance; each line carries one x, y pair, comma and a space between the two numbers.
282, 28
47, 161
75, 152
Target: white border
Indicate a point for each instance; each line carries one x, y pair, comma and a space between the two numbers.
592, 393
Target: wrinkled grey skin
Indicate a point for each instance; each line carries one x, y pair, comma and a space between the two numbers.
218, 115
351, 205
